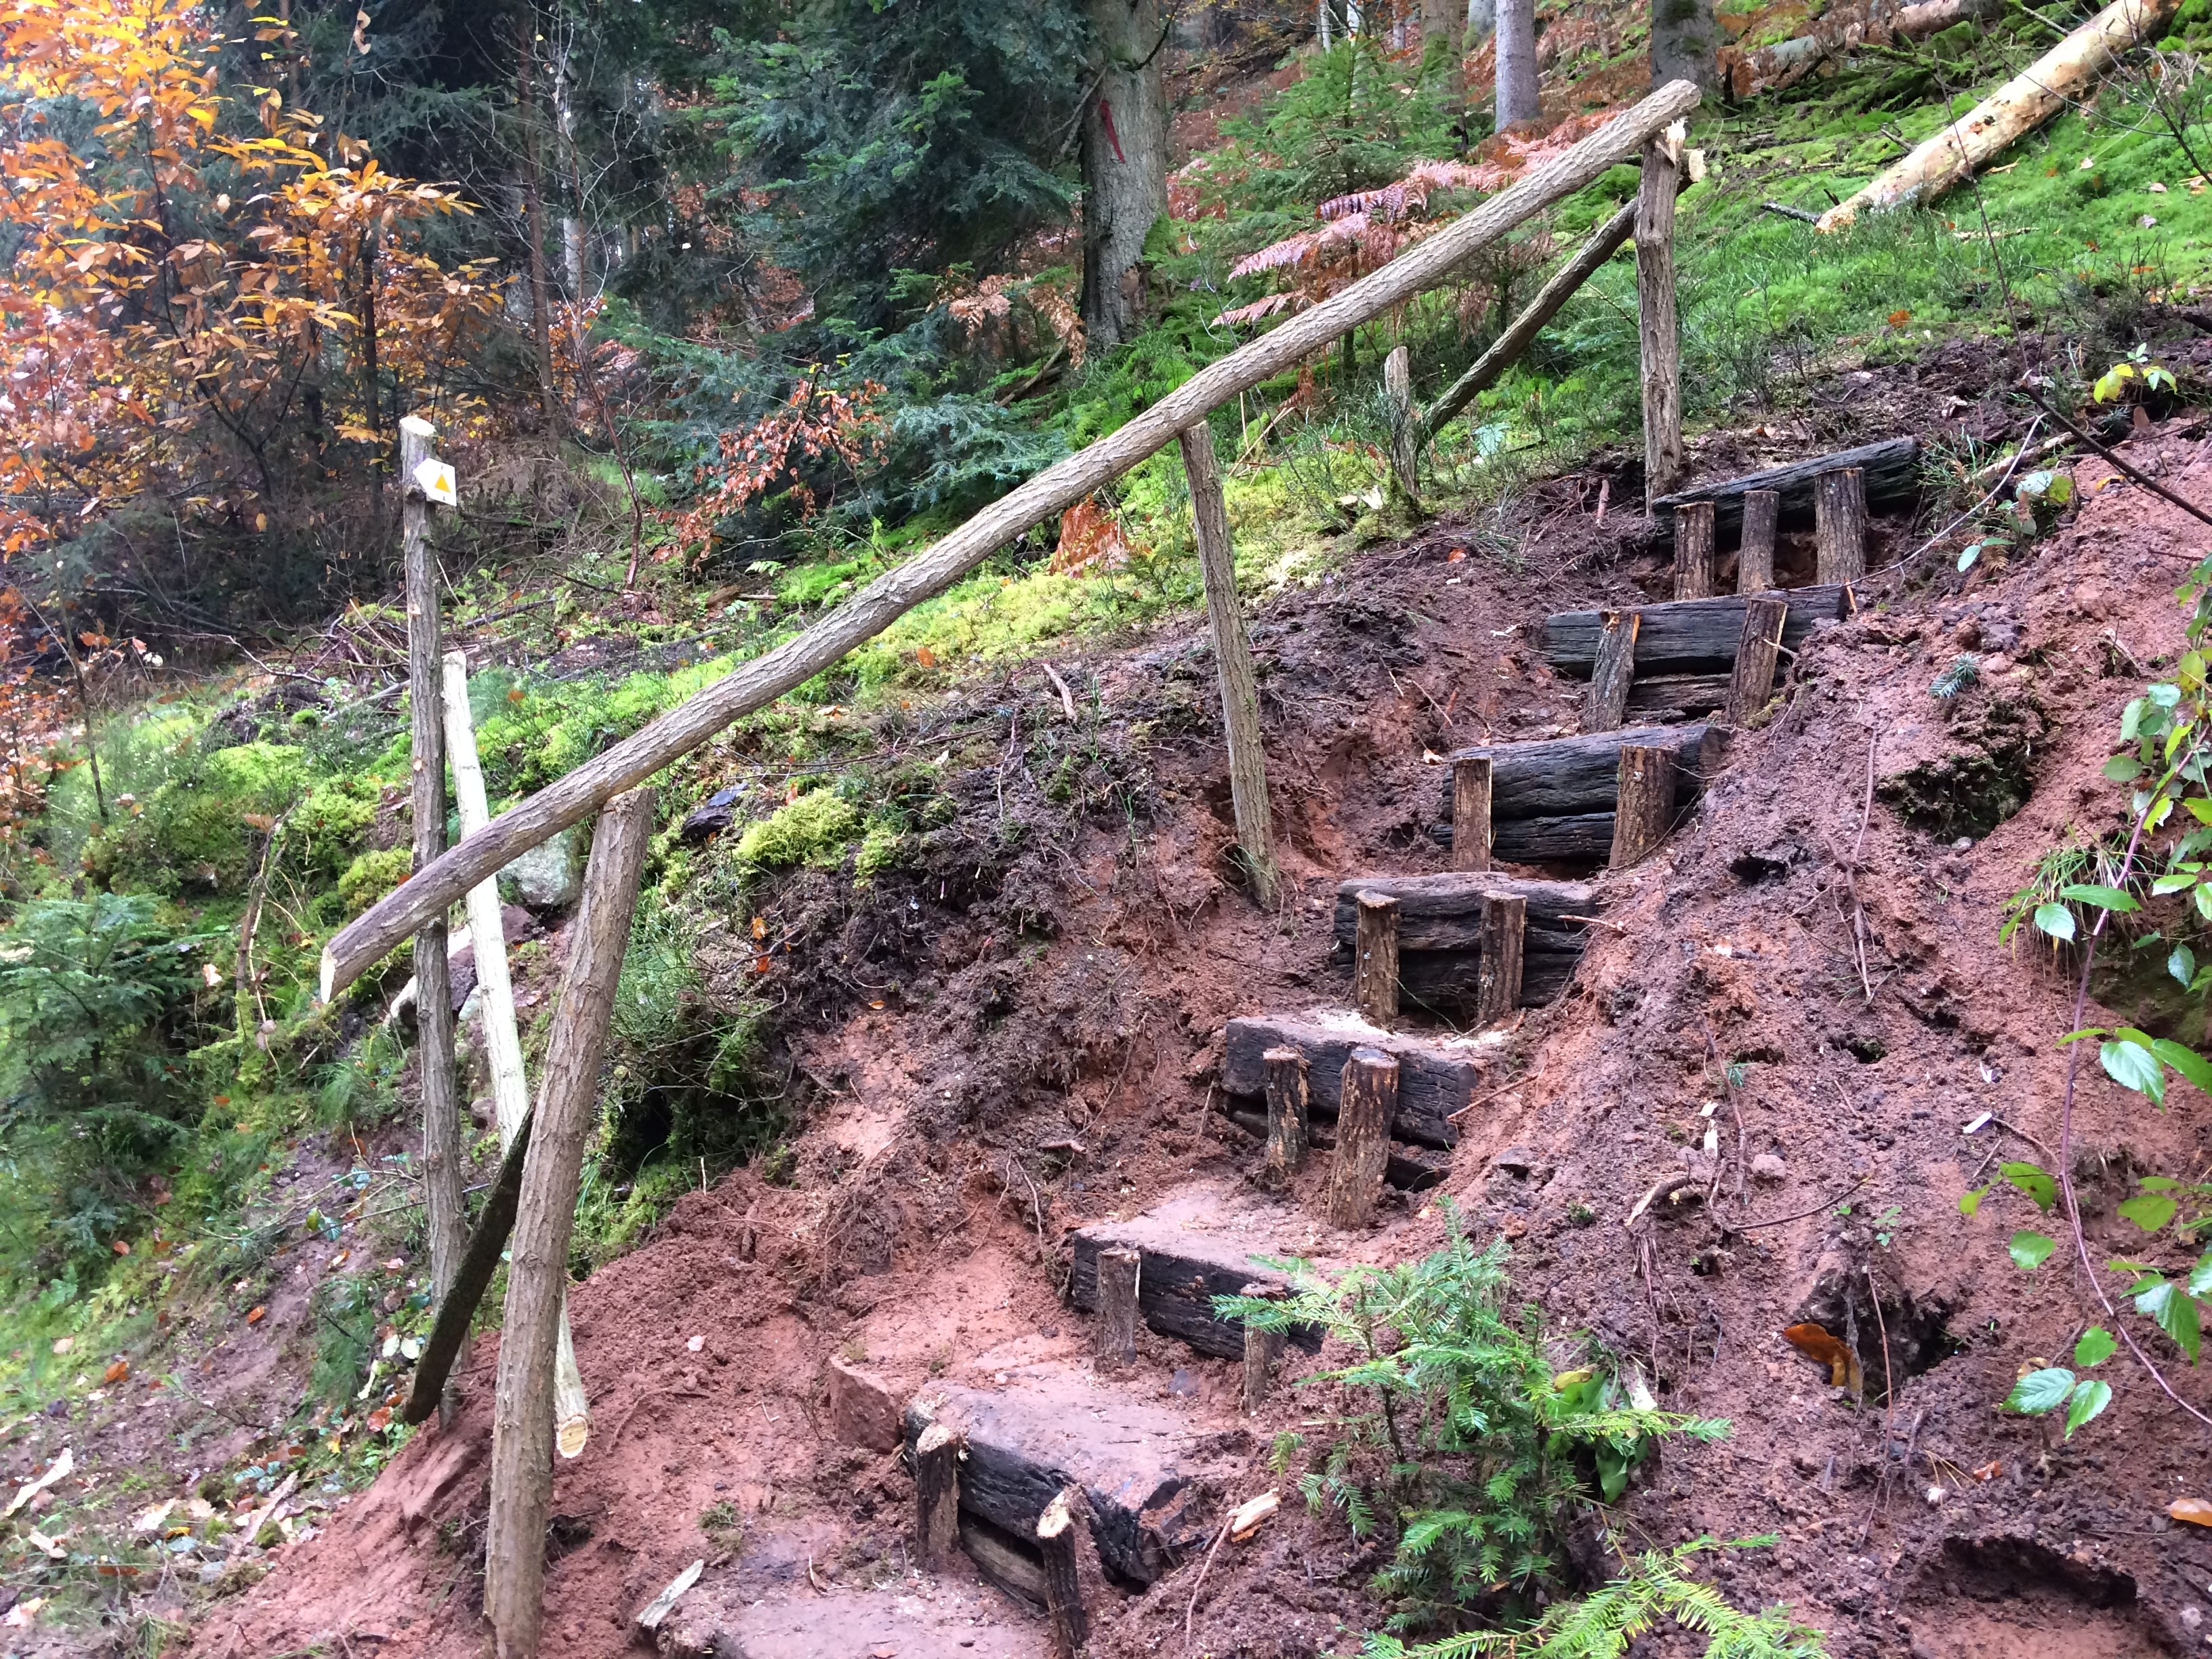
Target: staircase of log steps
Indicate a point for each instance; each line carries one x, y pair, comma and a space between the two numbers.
1065, 1485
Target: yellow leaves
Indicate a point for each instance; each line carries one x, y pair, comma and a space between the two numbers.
2195, 1511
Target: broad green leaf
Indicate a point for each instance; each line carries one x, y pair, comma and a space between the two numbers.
2089, 1398
2184, 1060
2174, 1311
2086, 1031
2055, 920
2104, 898
1971, 1202
2199, 1276
1967, 555
2040, 1391
2133, 1066
2030, 1250
2031, 1180
2149, 1210
2124, 769
2203, 899
2166, 695
2173, 882
2095, 1347
2201, 808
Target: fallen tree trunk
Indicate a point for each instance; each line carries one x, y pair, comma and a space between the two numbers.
575, 797
2061, 76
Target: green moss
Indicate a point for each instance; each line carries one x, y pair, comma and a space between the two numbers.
195, 831
371, 876
884, 848
812, 830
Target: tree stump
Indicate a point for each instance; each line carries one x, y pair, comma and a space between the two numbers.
1646, 811
1605, 706
1754, 559
1405, 429
1074, 1583
1375, 962
1117, 1306
1753, 681
1470, 847
1504, 929
1694, 551
1367, 1102
936, 1495
1263, 1352
1289, 1099
1657, 323
1839, 525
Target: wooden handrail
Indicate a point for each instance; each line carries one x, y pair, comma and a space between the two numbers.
571, 799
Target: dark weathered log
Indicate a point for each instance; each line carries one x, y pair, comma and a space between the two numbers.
1444, 912
1436, 1077
1657, 322
1182, 1271
1665, 699
1893, 478
1470, 787
1573, 838
1689, 636
936, 1495
1754, 559
1752, 684
1411, 1169
1646, 816
1498, 989
1375, 958
1428, 264
1011, 1563
1027, 1443
1695, 554
1607, 702
1287, 1097
456, 1309
1074, 1584
1560, 777
1118, 1276
1448, 983
1368, 1099
1839, 525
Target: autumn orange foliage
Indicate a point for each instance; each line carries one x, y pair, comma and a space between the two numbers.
818, 423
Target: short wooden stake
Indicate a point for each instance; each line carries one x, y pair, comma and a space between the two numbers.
545, 1215
1289, 1098
1839, 525
1657, 324
1606, 708
1470, 847
1405, 429
1754, 559
936, 1496
1375, 971
1753, 681
1645, 813
1232, 658
1694, 557
1367, 1104
1074, 1583
1117, 1306
1263, 1352
1498, 982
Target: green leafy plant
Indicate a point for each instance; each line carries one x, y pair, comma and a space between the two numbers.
1957, 677
2134, 376
1459, 1437
2042, 1391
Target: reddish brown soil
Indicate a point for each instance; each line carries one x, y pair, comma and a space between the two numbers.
1045, 1055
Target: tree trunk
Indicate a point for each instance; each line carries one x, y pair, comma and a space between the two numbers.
1125, 167
1405, 430
564, 127
1325, 24
1481, 24
1518, 97
534, 218
522, 1414
1685, 44
1754, 559
1288, 1097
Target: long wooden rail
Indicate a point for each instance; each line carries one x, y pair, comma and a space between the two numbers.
575, 797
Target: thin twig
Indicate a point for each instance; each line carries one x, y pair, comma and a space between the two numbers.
1204, 1567
1777, 1220
1889, 1403
1067, 697
2128, 467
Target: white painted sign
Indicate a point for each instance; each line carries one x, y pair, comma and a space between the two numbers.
436, 478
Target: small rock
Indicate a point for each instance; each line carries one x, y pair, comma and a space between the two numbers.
480, 1111
710, 819
864, 1410
549, 876
1182, 1382
1516, 1161
1767, 1167
1963, 844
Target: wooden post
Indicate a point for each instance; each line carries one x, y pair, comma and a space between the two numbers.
510, 1087
522, 1412
1470, 847
1117, 1306
1367, 1103
1645, 812
936, 1496
1498, 983
1374, 965
1288, 1100
1694, 551
1753, 681
1839, 525
1232, 657
457, 1310
433, 1004
1263, 1352
1074, 1580
1606, 707
1754, 559
1405, 429
1657, 324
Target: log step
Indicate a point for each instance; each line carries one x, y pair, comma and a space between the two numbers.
1683, 637
1440, 932
1893, 478
1557, 785
1182, 1271
1411, 1169
1052, 1429
1437, 1076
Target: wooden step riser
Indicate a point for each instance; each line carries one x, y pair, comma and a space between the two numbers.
1431, 1086
1892, 479
1572, 777
1683, 637
1176, 1292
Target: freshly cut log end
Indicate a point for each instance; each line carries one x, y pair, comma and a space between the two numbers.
1839, 505
1471, 806
1375, 962
1695, 553
1646, 814
1368, 1102
571, 1435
